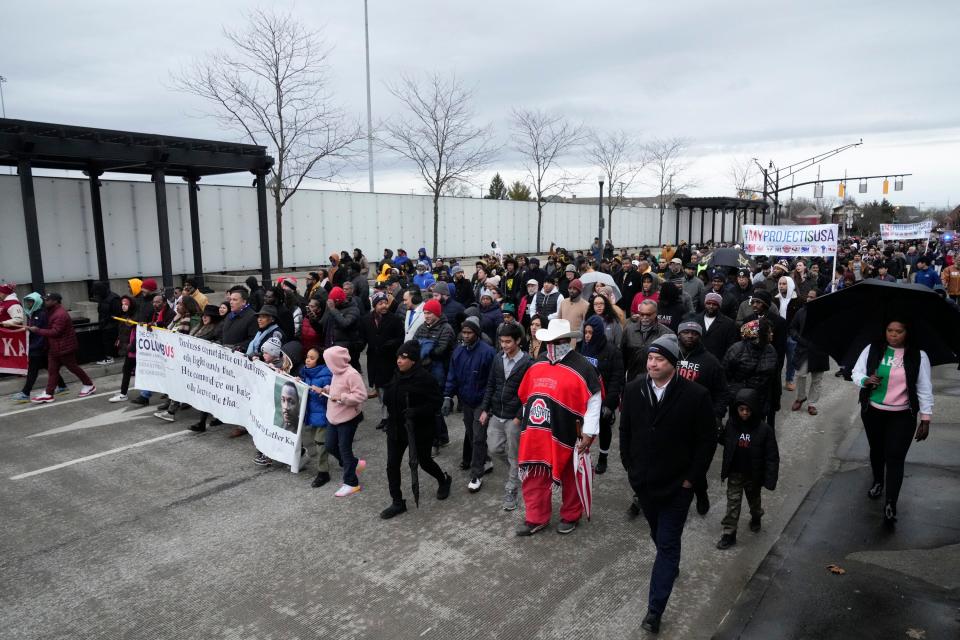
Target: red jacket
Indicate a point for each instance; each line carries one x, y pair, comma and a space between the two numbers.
59, 332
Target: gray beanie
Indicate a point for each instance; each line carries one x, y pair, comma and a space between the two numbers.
473, 323
667, 347
690, 326
272, 347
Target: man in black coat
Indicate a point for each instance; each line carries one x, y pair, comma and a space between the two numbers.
719, 331
700, 366
453, 311
382, 332
108, 307
412, 395
240, 324
667, 437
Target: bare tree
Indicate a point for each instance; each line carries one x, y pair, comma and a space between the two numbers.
438, 135
273, 88
620, 159
667, 166
543, 139
745, 177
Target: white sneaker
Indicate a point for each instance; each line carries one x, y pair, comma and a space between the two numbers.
87, 390
164, 415
474, 485
120, 397
346, 490
42, 398
105, 361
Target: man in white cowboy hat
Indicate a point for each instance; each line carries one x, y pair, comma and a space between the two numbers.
561, 398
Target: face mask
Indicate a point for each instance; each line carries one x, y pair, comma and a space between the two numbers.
556, 352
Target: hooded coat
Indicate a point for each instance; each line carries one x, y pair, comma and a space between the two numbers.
317, 376
757, 437
416, 390
347, 390
469, 372
700, 366
788, 304
341, 325
605, 356
108, 305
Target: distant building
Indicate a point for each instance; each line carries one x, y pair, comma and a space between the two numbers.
845, 212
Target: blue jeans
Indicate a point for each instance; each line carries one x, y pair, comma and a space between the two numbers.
666, 518
339, 444
791, 368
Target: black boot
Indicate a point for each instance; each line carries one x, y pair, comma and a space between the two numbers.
443, 491
601, 467
382, 426
651, 622
322, 478
875, 491
634, 509
727, 540
394, 509
198, 427
755, 524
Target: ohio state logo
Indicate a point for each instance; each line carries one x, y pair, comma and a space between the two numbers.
539, 413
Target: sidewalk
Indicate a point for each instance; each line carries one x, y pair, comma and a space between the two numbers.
901, 584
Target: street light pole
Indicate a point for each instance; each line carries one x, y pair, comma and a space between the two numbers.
366, 36
600, 212
3, 105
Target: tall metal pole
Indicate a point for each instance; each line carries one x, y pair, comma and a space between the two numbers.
366, 35
3, 105
600, 215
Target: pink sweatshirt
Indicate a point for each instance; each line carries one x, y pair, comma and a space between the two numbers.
347, 386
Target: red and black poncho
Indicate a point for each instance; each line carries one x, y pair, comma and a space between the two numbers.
554, 397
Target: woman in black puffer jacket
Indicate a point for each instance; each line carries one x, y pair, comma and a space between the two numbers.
752, 362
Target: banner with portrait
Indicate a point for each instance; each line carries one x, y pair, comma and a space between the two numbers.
793, 241
226, 384
917, 230
13, 351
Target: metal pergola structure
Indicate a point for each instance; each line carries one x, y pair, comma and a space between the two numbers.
724, 205
28, 145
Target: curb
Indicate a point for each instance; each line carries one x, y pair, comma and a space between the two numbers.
736, 621
11, 384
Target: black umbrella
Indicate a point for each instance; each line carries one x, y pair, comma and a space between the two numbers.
412, 456
729, 257
843, 323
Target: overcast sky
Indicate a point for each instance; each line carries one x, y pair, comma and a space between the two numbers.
773, 80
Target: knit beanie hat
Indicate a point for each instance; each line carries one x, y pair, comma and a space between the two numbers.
149, 285
337, 295
377, 297
410, 350
433, 306
272, 347
713, 296
473, 323
667, 347
690, 326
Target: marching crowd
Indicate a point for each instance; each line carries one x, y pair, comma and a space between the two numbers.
539, 357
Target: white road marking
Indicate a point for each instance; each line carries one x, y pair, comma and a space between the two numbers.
97, 455
47, 405
100, 420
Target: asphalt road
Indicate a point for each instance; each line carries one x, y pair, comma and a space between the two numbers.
151, 531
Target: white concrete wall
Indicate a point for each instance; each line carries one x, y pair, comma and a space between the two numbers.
315, 224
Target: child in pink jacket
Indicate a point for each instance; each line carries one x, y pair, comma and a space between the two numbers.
347, 392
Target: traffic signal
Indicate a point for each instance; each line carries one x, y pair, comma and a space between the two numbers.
842, 190
886, 186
